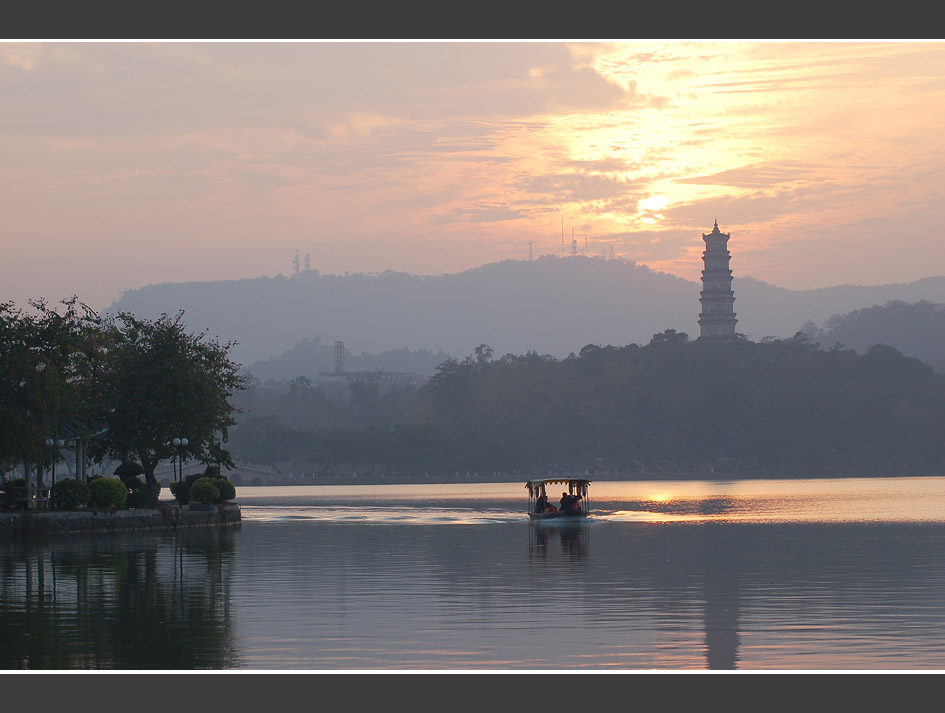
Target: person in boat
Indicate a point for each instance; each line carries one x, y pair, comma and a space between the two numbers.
570, 502
542, 503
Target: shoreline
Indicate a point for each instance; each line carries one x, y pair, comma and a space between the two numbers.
373, 480
31, 523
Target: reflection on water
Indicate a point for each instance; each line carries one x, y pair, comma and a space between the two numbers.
748, 501
567, 542
763, 575
122, 602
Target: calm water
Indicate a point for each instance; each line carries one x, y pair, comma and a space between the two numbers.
797, 574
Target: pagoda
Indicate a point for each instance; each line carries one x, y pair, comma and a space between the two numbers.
717, 318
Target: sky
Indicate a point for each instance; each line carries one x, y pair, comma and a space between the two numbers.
126, 164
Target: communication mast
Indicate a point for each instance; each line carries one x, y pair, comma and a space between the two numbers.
529, 252
295, 260
339, 358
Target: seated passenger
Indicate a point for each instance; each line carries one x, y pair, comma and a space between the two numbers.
570, 502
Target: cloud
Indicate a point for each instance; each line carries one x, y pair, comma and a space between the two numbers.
479, 214
570, 187
758, 176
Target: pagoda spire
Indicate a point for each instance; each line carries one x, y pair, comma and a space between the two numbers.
717, 298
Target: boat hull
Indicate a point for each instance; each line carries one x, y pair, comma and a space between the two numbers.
558, 515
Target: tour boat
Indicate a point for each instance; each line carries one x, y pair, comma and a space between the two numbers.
554, 509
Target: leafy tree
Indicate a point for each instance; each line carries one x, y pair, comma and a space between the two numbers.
160, 383
47, 359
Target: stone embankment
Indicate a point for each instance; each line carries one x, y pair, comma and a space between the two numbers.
166, 517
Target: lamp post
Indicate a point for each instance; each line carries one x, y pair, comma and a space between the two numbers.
180, 444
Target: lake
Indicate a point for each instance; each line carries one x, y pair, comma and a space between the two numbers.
837, 574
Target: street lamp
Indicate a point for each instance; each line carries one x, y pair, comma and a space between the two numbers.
180, 444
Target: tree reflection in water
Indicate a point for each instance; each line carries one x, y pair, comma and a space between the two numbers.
118, 602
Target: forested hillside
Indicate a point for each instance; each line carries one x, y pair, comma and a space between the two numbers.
917, 330
774, 407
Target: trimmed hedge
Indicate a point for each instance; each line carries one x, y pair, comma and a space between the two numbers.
144, 497
226, 488
205, 491
182, 489
69, 494
108, 493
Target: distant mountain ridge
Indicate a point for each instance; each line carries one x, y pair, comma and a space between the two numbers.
550, 305
917, 330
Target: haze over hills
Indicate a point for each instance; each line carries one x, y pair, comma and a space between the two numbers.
550, 305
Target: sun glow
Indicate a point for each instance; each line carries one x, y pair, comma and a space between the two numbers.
650, 210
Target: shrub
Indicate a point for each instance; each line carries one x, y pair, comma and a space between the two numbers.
129, 468
69, 494
226, 488
108, 493
128, 472
8, 493
132, 483
181, 489
144, 497
204, 491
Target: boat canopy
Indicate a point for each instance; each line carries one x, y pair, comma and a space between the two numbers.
537, 482
576, 486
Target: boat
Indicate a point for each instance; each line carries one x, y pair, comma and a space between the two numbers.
540, 507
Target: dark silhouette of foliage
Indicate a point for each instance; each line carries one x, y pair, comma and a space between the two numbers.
69, 494
48, 360
916, 330
204, 491
162, 382
674, 405
107, 493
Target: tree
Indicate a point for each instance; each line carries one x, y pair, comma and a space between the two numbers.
161, 383
46, 363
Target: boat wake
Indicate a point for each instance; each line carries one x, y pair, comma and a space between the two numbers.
394, 515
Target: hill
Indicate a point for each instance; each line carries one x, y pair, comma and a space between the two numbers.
551, 305
917, 330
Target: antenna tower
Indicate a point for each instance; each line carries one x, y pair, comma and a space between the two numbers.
339, 358
295, 260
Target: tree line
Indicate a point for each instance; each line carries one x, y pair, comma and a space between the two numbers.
124, 386
778, 406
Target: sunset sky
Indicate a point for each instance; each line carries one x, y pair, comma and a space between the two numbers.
126, 164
